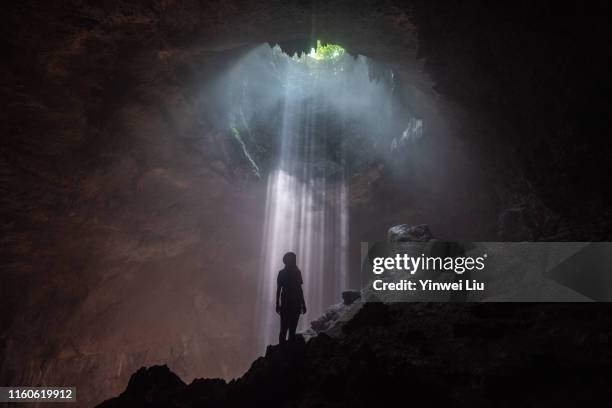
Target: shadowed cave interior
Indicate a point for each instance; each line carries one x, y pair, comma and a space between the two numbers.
141, 141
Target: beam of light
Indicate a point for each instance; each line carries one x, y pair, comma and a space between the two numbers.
309, 107
306, 214
305, 126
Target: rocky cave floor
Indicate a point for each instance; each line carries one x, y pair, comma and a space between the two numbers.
428, 353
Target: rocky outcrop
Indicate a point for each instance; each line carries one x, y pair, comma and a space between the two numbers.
332, 320
456, 355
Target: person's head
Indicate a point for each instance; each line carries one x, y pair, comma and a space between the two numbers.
290, 259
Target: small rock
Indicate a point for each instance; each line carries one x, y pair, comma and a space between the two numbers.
409, 233
350, 296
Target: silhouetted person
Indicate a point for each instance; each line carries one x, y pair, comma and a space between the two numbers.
289, 293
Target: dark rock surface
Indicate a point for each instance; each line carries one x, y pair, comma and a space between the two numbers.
336, 315
460, 355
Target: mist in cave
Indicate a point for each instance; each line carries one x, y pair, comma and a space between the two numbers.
304, 124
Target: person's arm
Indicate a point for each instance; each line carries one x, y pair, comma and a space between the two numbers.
302, 300
278, 292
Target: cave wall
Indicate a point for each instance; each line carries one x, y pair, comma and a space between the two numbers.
130, 243
535, 74
129, 240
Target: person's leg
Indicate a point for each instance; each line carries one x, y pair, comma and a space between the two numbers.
293, 322
284, 326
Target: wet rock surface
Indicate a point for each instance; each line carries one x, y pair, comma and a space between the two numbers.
464, 355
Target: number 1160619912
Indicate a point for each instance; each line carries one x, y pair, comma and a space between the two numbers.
29, 394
